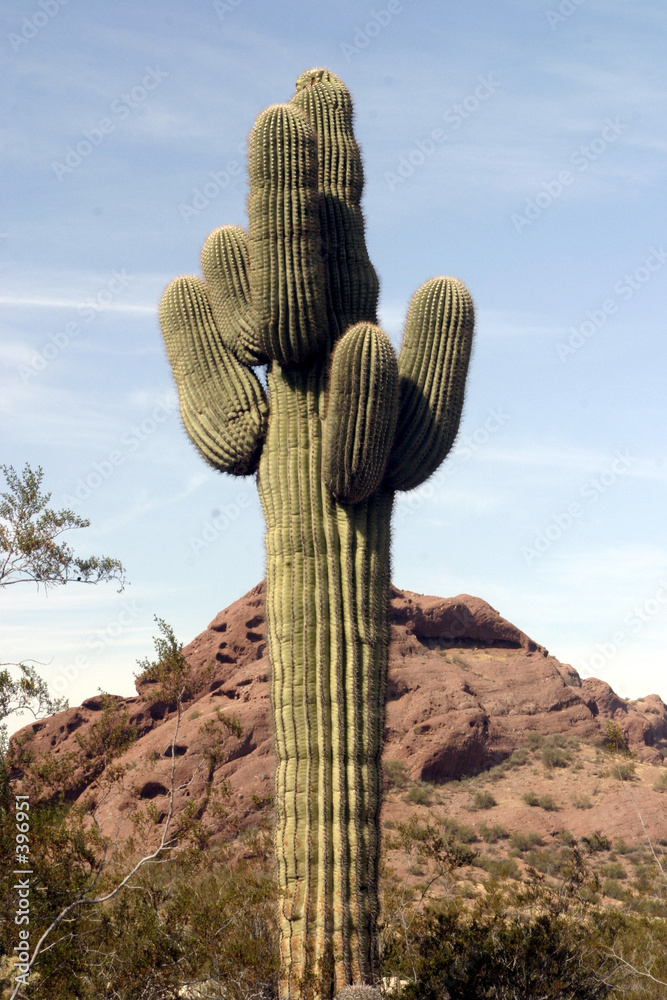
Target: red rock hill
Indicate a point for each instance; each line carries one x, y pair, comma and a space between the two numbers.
466, 688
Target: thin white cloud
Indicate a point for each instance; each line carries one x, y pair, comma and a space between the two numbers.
38, 303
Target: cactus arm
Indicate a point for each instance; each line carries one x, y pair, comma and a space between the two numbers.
362, 408
223, 405
432, 366
351, 282
224, 261
286, 270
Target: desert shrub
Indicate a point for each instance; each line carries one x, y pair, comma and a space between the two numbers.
482, 949
497, 867
534, 740
393, 772
492, 834
518, 758
567, 838
198, 917
661, 782
461, 832
465, 834
615, 739
554, 756
596, 842
581, 802
546, 802
613, 889
543, 861
614, 870
419, 795
521, 841
624, 772
482, 800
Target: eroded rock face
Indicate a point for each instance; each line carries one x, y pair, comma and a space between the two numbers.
465, 689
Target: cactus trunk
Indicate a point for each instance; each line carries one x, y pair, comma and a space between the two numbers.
327, 612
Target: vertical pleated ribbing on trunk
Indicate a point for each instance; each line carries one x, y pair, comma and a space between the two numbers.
327, 606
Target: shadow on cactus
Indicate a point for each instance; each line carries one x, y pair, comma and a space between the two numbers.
343, 425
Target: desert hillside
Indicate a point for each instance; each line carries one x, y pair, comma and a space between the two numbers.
483, 728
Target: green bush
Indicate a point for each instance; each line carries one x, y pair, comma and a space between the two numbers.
418, 795
543, 861
482, 800
497, 867
612, 888
546, 802
492, 834
614, 870
521, 841
624, 772
597, 842
482, 950
554, 756
393, 772
615, 740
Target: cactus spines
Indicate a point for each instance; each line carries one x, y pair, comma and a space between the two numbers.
432, 366
345, 424
352, 285
223, 404
362, 409
224, 261
287, 274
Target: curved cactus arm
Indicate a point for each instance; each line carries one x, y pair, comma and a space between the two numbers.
224, 261
432, 367
223, 404
286, 269
362, 409
351, 282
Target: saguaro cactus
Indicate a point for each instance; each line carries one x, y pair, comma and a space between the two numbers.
344, 424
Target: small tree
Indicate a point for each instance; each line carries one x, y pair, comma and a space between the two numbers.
29, 529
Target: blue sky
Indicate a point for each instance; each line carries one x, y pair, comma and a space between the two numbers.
517, 145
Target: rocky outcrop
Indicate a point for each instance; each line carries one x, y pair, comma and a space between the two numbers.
466, 688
